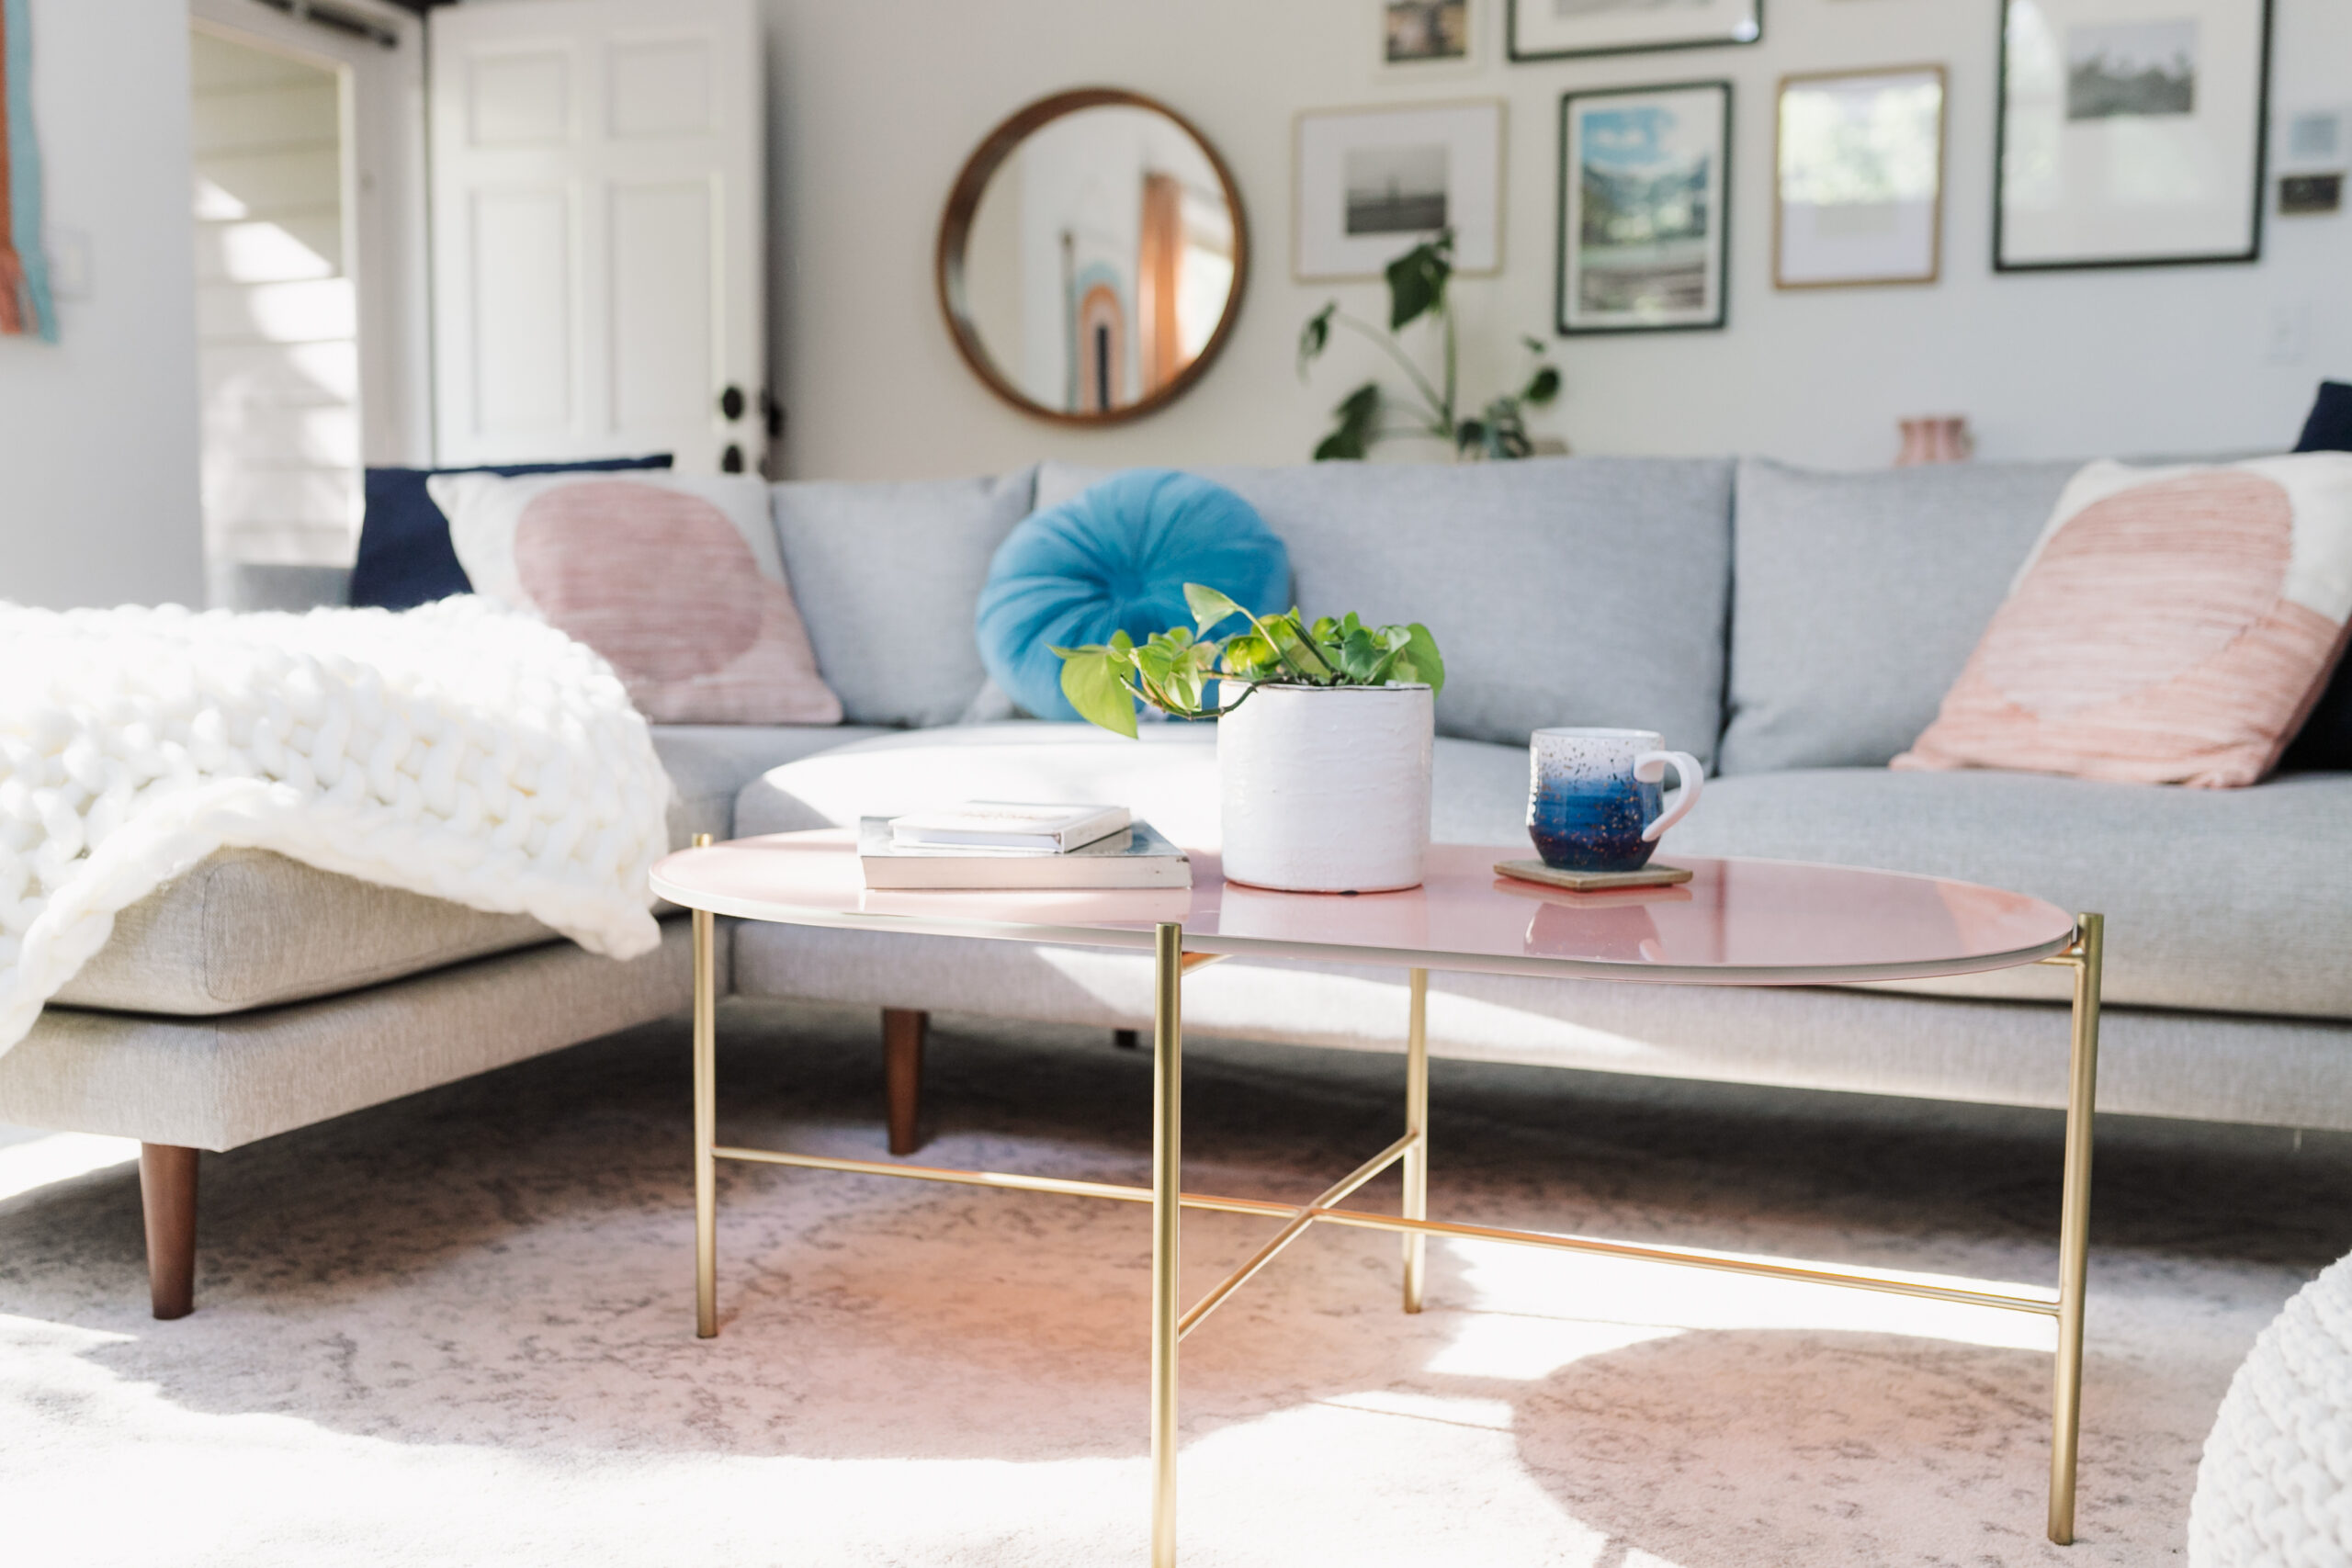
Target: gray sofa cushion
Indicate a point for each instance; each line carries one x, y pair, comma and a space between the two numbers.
274, 585
248, 929
1855, 598
2230, 900
2220, 900
1167, 776
708, 765
1578, 591
887, 577
216, 1083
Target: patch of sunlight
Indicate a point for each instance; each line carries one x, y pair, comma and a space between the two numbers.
1636, 1558
1575, 1303
1321, 1483
1488, 1415
268, 253
25, 1336
213, 202
321, 310
1310, 1484
60, 1156
1503, 1345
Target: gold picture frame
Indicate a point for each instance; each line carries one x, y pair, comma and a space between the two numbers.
1857, 177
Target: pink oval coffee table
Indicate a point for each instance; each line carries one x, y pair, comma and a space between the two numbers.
1736, 922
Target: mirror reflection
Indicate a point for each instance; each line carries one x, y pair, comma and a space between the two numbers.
1098, 261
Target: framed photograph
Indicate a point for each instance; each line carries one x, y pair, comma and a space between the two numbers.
1858, 184
1644, 215
1562, 29
2130, 132
1372, 184
1422, 37
2302, 196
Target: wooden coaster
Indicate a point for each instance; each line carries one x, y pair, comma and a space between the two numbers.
1651, 876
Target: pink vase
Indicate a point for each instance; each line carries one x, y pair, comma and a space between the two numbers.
1936, 438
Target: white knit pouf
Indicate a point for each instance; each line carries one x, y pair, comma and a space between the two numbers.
2275, 1487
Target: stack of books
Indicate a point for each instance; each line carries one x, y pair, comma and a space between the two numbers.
993, 845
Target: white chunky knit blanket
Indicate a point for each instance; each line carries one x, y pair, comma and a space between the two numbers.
460, 750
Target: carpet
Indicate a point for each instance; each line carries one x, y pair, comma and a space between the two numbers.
458, 1329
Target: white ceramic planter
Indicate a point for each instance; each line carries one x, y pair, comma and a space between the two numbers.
1325, 789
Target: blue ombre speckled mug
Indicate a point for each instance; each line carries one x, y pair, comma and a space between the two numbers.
1594, 801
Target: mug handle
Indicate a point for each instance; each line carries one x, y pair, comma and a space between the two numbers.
1650, 768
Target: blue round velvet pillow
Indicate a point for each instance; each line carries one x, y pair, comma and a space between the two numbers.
1116, 557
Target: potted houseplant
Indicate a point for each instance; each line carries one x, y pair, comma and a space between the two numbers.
1325, 731
1372, 414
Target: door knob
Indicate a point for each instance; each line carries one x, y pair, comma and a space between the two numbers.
730, 403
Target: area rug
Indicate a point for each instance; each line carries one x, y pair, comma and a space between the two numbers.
457, 1329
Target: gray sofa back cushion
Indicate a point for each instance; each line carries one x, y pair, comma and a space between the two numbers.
1855, 598
887, 577
1577, 590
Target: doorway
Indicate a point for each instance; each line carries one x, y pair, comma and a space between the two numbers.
306, 132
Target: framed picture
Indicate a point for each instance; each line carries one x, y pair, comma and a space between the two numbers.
2130, 132
1562, 29
1423, 37
1372, 184
1858, 184
1644, 215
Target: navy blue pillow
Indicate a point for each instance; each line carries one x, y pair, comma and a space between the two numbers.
405, 557
2329, 429
2325, 741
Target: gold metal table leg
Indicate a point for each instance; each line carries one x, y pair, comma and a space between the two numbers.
1417, 1127
1167, 1217
705, 1121
2074, 1227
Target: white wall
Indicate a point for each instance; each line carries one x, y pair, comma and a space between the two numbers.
98, 499
875, 106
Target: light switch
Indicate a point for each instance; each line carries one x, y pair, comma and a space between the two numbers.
2291, 331
69, 263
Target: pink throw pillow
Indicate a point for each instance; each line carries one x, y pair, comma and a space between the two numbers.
2172, 626
675, 579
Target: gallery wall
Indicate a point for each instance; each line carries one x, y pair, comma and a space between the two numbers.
873, 107
98, 499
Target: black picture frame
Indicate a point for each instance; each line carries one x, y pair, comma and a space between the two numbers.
1518, 56
2256, 190
1722, 235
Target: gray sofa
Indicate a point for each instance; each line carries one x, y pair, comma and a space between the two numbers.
1794, 629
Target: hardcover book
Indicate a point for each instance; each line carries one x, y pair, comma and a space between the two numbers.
1009, 825
1137, 855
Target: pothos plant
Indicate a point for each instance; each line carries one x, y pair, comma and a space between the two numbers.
1173, 670
1417, 287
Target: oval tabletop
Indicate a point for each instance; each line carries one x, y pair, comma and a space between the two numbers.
1742, 922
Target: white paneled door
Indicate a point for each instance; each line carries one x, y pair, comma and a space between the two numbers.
597, 232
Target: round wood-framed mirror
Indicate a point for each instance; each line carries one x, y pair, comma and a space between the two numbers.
1093, 258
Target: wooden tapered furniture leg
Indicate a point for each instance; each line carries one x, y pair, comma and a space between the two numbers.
902, 1035
167, 1193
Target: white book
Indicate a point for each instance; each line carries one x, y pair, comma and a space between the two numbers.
1137, 855
1009, 825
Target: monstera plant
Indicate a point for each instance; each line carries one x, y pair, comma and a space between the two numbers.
1372, 414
